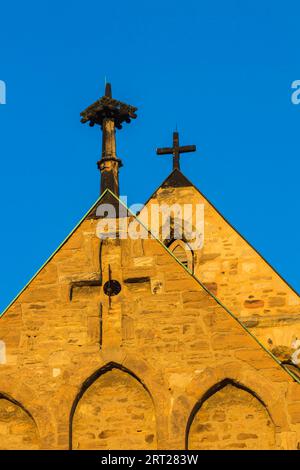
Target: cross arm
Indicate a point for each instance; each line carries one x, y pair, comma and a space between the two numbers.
164, 151
187, 148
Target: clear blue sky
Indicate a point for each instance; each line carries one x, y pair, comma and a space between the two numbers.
221, 70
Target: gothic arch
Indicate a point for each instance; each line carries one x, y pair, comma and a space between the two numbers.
238, 372
215, 418
18, 429
97, 420
183, 252
29, 401
178, 230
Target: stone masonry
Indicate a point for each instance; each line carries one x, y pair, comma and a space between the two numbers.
159, 365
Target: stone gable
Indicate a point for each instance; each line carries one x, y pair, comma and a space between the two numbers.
146, 363
235, 272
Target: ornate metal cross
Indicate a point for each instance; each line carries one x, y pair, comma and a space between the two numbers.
176, 150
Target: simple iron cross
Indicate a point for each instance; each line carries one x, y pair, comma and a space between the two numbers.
176, 150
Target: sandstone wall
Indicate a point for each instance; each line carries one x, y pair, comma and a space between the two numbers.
162, 344
238, 275
115, 412
17, 429
232, 418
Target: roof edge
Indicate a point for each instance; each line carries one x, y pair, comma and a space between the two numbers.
54, 252
291, 374
227, 221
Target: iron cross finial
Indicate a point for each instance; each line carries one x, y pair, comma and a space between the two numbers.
176, 150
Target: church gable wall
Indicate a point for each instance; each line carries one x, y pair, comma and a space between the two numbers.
162, 326
233, 271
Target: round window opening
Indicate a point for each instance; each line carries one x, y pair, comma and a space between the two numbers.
112, 288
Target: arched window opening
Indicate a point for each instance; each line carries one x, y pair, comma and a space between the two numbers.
183, 253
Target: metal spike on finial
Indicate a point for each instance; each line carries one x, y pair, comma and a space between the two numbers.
108, 90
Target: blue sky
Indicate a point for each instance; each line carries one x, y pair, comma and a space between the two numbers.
221, 70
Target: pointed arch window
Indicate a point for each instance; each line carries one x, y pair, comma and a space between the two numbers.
182, 251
